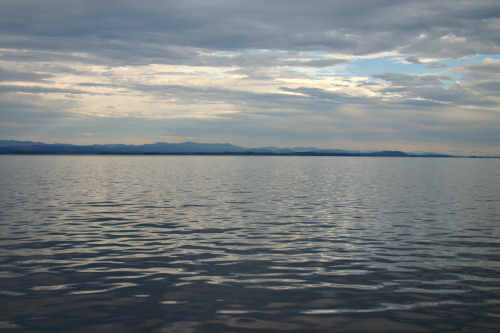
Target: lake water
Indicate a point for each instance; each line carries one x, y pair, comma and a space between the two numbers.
249, 244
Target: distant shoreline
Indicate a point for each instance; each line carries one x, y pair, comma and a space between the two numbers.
251, 154
13, 147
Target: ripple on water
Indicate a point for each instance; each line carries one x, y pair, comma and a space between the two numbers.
249, 243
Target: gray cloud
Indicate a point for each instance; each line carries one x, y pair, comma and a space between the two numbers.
5, 88
436, 65
10, 75
111, 28
329, 96
491, 86
315, 63
413, 60
430, 90
276, 44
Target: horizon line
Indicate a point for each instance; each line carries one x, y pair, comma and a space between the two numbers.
241, 150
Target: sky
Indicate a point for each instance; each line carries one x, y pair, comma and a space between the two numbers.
358, 74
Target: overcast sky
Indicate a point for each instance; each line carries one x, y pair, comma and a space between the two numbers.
372, 74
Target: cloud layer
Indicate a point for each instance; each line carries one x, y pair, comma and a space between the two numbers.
341, 74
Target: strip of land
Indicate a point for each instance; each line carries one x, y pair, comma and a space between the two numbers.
193, 148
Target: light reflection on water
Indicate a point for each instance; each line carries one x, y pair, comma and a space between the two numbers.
152, 243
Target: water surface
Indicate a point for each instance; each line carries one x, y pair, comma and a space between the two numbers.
249, 244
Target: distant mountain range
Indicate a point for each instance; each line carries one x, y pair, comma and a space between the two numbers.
194, 148
191, 148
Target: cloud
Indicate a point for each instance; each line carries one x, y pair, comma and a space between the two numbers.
428, 90
413, 60
10, 75
253, 71
436, 65
6, 88
431, 29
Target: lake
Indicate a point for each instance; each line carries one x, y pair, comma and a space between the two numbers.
249, 244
